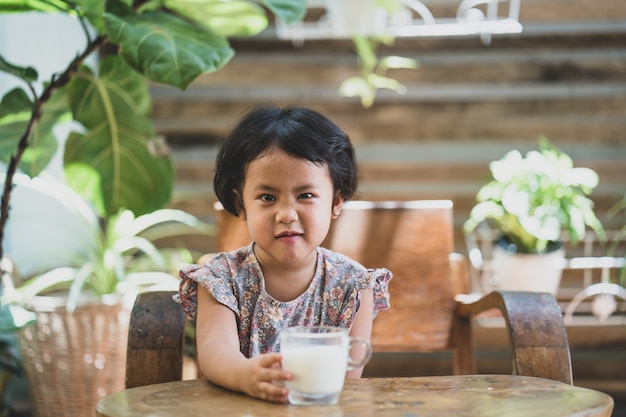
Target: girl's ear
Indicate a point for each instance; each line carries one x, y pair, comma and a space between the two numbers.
241, 213
337, 206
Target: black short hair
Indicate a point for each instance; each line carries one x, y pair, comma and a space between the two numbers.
300, 132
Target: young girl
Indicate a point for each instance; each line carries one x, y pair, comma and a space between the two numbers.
287, 173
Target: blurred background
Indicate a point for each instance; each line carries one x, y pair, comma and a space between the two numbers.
465, 101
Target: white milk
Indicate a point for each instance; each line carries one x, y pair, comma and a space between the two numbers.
317, 369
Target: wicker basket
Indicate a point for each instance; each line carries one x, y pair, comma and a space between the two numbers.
72, 360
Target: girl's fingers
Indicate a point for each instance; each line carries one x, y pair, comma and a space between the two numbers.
271, 363
273, 392
270, 359
269, 377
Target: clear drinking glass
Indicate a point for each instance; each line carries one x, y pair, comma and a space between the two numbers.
319, 357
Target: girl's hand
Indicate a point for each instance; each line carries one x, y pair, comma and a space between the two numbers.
264, 378
222, 363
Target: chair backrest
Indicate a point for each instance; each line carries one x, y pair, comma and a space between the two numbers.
414, 240
155, 340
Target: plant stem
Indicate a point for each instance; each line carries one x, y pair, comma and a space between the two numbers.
55, 84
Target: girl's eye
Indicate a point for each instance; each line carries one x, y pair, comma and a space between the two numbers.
266, 197
306, 195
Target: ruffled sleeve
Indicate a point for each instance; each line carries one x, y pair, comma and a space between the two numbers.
188, 291
380, 278
214, 278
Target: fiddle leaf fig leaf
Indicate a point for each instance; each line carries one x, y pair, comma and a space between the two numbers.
15, 112
15, 104
166, 48
289, 11
232, 18
147, 5
117, 152
17, 6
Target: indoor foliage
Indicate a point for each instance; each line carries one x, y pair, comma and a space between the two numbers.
113, 158
534, 200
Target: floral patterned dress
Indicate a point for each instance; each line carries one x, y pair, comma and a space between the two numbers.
235, 280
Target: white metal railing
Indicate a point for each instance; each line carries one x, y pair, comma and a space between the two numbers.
412, 18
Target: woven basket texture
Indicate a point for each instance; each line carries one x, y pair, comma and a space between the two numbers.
72, 360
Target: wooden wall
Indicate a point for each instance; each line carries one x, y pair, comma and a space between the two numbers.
467, 104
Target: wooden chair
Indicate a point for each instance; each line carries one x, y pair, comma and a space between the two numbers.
414, 239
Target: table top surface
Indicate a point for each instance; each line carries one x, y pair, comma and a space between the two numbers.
458, 395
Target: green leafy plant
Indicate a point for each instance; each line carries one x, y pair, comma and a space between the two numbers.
114, 160
372, 68
536, 199
117, 257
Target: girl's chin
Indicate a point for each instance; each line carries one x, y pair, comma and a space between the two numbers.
291, 255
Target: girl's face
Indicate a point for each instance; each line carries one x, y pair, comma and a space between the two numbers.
288, 204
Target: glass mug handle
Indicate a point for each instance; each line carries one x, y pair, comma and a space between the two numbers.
367, 354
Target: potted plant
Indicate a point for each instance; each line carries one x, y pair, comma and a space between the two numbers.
534, 203
118, 179
74, 351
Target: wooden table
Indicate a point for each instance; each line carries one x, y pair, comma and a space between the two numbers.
437, 396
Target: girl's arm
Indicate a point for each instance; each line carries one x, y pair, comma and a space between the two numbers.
362, 327
222, 362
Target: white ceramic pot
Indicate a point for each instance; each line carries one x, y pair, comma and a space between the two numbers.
527, 272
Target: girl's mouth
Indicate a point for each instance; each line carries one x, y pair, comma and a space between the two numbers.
288, 235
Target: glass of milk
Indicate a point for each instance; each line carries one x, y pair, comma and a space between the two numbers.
318, 357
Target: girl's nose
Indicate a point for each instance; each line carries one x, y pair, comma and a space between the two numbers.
286, 214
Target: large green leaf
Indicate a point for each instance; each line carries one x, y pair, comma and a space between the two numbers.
15, 113
165, 48
114, 164
15, 105
226, 18
43, 143
289, 11
20, 6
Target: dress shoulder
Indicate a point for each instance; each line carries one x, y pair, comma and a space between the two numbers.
377, 279
217, 276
